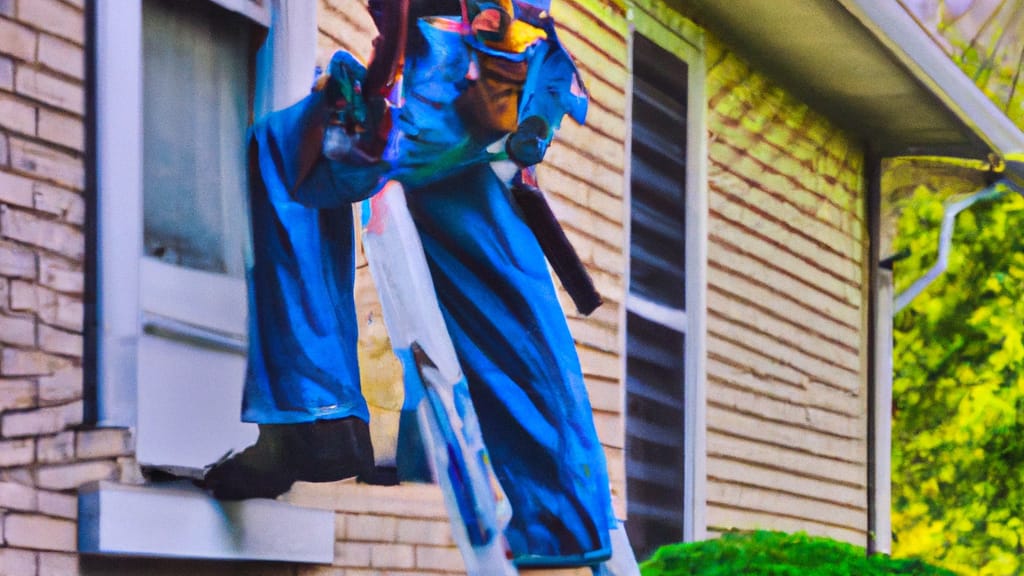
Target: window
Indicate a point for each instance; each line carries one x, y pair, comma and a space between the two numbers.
664, 305
177, 84
174, 85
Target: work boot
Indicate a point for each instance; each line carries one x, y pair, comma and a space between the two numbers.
260, 471
331, 450
320, 451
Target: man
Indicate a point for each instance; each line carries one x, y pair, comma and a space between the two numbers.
302, 382
482, 97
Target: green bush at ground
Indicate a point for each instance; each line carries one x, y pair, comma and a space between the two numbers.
777, 554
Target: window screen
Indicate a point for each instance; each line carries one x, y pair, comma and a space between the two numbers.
196, 94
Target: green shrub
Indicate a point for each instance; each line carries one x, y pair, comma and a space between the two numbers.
777, 554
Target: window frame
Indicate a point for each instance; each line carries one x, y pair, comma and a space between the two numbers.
669, 30
284, 71
117, 519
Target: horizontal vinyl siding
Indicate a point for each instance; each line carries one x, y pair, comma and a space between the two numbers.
786, 290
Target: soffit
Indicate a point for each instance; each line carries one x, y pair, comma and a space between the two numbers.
845, 67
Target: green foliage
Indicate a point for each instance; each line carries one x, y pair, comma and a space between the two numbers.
987, 43
958, 434
777, 554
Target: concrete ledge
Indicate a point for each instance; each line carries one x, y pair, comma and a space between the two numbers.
178, 520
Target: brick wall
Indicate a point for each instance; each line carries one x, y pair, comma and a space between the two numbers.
786, 365
43, 457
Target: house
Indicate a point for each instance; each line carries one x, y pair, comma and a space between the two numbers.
724, 194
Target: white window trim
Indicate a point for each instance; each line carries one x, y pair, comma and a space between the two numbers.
116, 519
285, 65
654, 20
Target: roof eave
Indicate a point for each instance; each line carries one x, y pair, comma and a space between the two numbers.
894, 27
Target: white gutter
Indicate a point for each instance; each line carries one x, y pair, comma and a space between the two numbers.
897, 30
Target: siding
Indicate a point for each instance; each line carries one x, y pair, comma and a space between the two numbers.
786, 410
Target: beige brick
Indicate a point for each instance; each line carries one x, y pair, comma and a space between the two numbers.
47, 163
56, 449
61, 56
63, 386
51, 235
17, 261
17, 41
355, 554
367, 528
58, 504
16, 189
103, 443
17, 452
47, 88
54, 17
340, 522
67, 313
16, 115
6, 73
392, 556
24, 295
19, 475
58, 563
17, 562
53, 308
433, 532
4, 150
62, 129
412, 500
70, 476
15, 394
59, 341
61, 276
442, 559
5, 294
14, 496
19, 331
41, 421
14, 362
70, 206
40, 532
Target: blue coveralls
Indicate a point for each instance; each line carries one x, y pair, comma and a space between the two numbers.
499, 302
302, 362
492, 282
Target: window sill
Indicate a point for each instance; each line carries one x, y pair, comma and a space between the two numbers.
178, 520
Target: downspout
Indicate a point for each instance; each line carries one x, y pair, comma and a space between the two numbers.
949, 215
1011, 168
